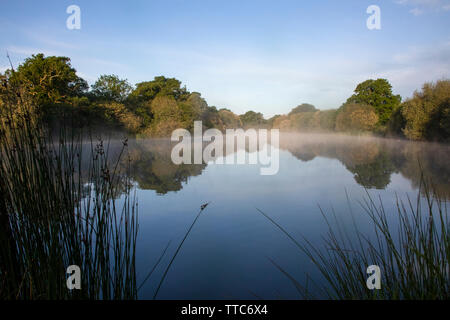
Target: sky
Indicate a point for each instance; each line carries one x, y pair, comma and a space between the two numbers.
266, 56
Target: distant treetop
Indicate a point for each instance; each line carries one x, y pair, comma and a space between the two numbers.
304, 107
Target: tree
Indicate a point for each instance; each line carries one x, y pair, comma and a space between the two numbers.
378, 94
396, 123
111, 88
117, 115
140, 99
211, 118
252, 118
304, 107
192, 109
167, 116
327, 119
49, 80
160, 86
355, 117
229, 119
302, 121
427, 114
281, 122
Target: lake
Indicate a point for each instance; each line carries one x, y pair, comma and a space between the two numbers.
233, 251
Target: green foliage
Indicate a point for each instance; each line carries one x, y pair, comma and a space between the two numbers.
193, 109
111, 88
167, 116
49, 80
252, 119
396, 123
158, 106
160, 86
141, 98
116, 114
211, 118
378, 94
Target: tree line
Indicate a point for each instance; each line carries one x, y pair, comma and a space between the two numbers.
158, 106
375, 109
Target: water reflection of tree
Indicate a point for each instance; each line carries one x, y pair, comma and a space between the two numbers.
373, 161
374, 174
152, 167
431, 159
369, 162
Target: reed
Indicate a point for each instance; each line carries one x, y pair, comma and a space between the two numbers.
54, 212
412, 252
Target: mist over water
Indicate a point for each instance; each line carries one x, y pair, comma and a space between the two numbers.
226, 254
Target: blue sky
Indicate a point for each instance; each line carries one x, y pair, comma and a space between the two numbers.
268, 56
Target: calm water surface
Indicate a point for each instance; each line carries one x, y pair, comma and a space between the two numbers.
229, 251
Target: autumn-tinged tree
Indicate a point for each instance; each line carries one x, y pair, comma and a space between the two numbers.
427, 114
167, 116
117, 115
302, 121
229, 119
281, 122
355, 117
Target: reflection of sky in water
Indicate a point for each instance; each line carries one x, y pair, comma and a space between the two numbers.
226, 254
